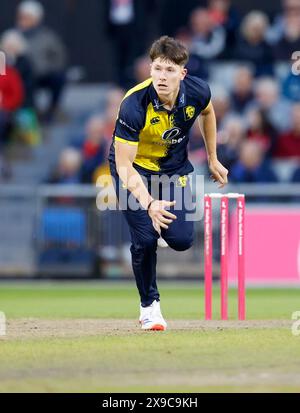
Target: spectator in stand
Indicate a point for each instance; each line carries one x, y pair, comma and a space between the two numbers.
288, 145
276, 31
141, 69
252, 165
261, 130
242, 94
94, 149
195, 65
68, 170
221, 103
230, 140
277, 109
206, 42
113, 101
296, 178
121, 27
284, 35
224, 13
126, 25
290, 41
251, 45
15, 48
26, 128
208, 39
291, 87
45, 50
11, 99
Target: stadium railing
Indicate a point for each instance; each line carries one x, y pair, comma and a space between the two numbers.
57, 231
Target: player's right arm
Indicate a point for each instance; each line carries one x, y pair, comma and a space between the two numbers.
125, 154
129, 123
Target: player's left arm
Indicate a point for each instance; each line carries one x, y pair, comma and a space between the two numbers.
208, 128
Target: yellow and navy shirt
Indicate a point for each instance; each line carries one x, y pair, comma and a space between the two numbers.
161, 135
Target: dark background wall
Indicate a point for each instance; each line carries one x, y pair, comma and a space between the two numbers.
81, 24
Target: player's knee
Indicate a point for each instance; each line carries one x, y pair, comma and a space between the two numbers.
181, 244
150, 242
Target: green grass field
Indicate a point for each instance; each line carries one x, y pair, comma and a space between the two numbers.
84, 337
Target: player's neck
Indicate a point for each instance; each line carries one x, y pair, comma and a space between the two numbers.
169, 100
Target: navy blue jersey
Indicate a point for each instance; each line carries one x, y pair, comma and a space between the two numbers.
161, 135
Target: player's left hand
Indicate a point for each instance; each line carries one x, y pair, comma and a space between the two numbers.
218, 172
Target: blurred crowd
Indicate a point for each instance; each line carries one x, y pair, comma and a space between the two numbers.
257, 107
35, 59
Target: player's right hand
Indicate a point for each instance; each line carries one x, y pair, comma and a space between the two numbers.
160, 217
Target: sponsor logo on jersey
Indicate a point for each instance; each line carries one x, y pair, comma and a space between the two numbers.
155, 121
189, 112
172, 120
127, 126
182, 181
182, 99
170, 134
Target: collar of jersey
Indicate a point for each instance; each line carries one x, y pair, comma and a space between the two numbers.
158, 105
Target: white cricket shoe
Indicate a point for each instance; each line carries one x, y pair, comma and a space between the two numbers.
151, 317
162, 243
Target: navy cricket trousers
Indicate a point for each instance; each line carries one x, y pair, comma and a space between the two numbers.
179, 235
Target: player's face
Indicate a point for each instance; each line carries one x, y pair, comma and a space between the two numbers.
166, 76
